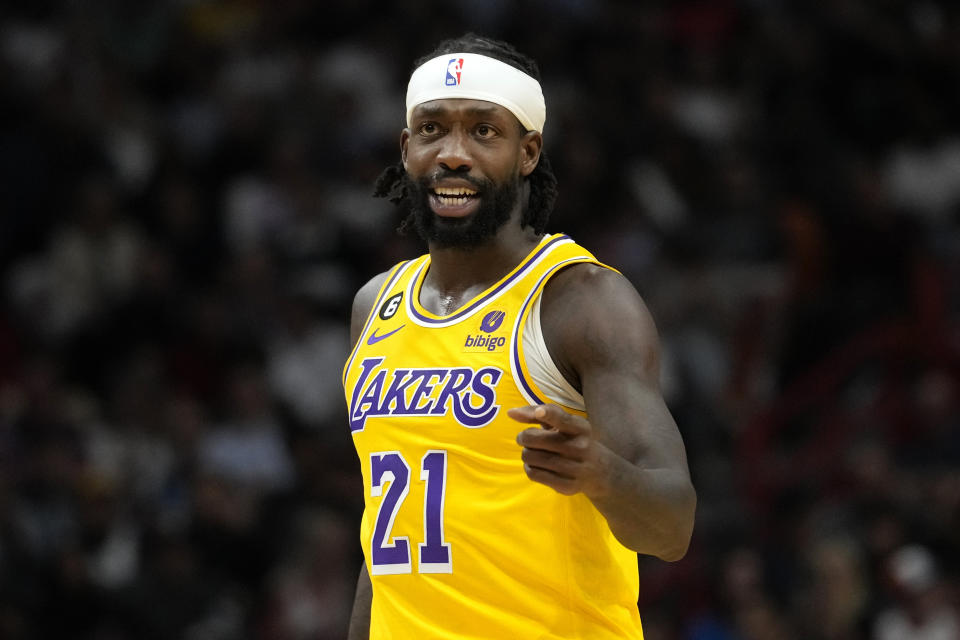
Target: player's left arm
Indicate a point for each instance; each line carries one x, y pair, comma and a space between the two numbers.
628, 457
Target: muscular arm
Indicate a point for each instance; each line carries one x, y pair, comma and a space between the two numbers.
629, 458
360, 617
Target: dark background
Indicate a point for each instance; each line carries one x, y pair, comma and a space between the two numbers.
185, 214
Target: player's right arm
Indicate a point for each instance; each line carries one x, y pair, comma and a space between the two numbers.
362, 306
360, 617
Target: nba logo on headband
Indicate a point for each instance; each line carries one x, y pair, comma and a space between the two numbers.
453, 72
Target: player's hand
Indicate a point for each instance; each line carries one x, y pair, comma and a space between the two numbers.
563, 452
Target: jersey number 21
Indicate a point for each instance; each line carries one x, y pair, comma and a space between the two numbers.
391, 554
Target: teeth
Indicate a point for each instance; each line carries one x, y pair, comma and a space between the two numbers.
452, 202
454, 191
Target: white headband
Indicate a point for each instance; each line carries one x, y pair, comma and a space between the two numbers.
477, 77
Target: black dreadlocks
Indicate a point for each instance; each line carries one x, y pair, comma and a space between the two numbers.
543, 184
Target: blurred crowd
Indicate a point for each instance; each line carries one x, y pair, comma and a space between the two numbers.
186, 212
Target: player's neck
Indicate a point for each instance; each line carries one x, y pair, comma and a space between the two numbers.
457, 275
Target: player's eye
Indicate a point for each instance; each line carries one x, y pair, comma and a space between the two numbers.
485, 131
428, 129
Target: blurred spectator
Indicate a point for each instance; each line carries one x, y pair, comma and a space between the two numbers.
90, 267
303, 352
310, 595
922, 609
248, 449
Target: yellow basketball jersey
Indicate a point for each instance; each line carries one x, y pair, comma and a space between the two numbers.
459, 543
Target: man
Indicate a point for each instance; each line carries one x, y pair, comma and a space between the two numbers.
503, 389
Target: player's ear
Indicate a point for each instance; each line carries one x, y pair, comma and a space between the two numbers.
531, 143
404, 138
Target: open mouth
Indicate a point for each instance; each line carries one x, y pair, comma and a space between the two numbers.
454, 196
454, 202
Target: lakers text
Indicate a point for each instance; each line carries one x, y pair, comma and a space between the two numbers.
469, 394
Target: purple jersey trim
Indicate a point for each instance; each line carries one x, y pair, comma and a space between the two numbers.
476, 304
525, 386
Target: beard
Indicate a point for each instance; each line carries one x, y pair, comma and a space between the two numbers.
496, 204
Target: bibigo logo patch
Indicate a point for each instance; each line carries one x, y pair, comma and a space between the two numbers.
489, 338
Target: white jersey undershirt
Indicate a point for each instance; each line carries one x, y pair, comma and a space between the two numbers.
540, 364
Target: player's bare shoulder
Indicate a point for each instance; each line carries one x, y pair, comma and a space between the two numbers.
590, 311
363, 303
590, 291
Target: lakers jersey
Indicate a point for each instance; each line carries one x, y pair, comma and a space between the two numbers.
458, 541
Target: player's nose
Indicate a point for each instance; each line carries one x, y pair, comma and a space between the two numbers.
454, 153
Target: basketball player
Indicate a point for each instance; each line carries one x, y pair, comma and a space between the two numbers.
503, 389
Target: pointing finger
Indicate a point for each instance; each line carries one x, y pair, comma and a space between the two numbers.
527, 414
551, 416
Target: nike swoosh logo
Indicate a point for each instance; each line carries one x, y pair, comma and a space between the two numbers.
374, 338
